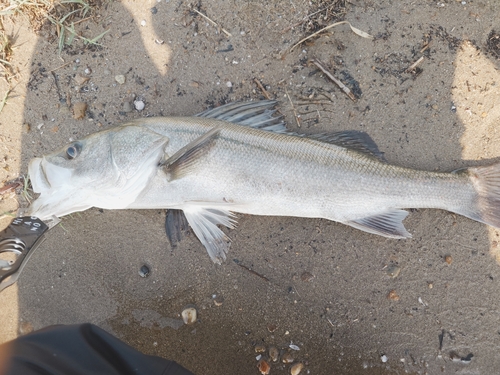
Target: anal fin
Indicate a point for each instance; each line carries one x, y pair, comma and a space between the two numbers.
387, 224
204, 220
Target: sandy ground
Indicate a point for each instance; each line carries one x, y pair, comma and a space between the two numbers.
316, 284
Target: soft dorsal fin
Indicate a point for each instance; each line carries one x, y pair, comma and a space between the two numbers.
352, 139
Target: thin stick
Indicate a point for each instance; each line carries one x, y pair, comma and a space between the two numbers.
357, 31
344, 88
293, 108
82, 20
425, 47
212, 22
264, 91
414, 65
8, 187
250, 270
59, 67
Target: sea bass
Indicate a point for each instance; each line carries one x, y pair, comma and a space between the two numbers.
240, 158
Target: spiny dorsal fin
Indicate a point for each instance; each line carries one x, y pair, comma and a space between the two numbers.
257, 114
183, 161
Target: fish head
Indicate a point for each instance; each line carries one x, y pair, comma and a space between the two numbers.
108, 169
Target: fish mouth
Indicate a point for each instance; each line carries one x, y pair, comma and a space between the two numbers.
50, 181
46, 176
38, 177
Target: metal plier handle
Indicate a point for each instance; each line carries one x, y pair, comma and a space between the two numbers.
17, 243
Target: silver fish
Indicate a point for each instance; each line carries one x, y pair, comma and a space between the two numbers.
239, 158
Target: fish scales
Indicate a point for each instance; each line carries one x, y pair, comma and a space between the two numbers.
324, 180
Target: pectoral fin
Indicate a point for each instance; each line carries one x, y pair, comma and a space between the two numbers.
203, 221
388, 224
184, 160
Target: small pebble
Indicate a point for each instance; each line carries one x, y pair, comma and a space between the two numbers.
80, 79
260, 348
143, 23
128, 107
274, 353
272, 327
229, 84
218, 300
189, 315
293, 347
263, 367
448, 259
120, 78
393, 295
154, 10
287, 358
393, 271
384, 358
296, 368
79, 109
307, 276
139, 105
88, 71
144, 271
26, 128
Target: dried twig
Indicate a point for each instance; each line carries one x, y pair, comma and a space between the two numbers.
212, 22
59, 67
425, 47
293, 108
10, 186
264, 91
250, 270
344, 88
355, 30
414, 65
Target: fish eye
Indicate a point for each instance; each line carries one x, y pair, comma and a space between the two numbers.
73, 151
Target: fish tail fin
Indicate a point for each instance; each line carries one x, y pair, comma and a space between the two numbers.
486, 182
